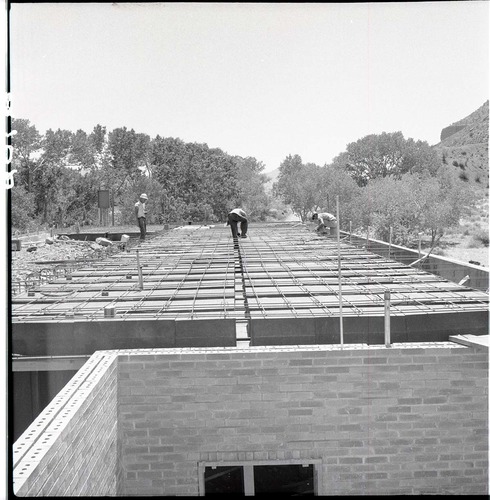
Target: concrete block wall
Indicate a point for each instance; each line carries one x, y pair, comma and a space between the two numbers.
71, 448
410, 419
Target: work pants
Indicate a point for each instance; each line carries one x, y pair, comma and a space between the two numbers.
142, 226
233, 220
330, 228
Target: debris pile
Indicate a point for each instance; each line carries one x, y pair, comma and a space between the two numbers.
40, 261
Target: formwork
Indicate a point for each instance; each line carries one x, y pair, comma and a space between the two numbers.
195, 286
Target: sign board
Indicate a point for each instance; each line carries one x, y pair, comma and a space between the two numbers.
104, 198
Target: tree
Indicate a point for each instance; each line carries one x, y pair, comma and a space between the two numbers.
411, 204
384, 203
448, 202
130, 196
197, 181
48, 170
250, 184
82, 152
22, 211
98, 138
214, 175
64, 186
298, 185
333, 182
26, 143
56, 146
128, 152
387, 154
419, 157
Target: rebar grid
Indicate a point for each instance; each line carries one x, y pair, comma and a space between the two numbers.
359, 278
286, 271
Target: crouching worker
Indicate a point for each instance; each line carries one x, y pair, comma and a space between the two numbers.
326, 220
238, 216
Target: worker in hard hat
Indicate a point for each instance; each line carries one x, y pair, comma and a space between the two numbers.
140, 212
236, 216
326, 220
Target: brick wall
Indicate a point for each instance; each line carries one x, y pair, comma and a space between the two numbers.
401, 420
410, 419
70, 449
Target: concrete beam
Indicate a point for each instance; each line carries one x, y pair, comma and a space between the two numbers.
47, 363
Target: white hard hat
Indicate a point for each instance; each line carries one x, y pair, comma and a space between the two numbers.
143, 195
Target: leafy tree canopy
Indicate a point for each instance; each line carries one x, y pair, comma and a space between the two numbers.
384, 155
411, 204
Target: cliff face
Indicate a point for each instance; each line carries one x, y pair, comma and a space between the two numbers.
464, 146
449, 131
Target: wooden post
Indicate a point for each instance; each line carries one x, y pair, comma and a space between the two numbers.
112, 200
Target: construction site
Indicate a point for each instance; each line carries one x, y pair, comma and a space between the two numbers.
194, 363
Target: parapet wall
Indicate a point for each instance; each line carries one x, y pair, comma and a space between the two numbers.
71, 448
410, 419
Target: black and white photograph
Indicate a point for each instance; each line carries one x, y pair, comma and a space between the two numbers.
246, 248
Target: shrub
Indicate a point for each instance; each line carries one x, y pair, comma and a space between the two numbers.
480, 238
463, 176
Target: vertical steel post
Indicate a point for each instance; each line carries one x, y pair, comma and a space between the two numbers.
367, 239
140, 272
420, 244
340, 277
350, 231
387, 319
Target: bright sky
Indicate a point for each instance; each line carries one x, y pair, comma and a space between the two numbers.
254, 79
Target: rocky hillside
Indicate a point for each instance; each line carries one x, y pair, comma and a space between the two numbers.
464, 146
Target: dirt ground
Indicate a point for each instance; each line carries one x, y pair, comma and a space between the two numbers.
469, 254
37, 261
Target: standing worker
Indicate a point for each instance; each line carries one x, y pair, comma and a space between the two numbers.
326, 220
140, 212
238, 216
